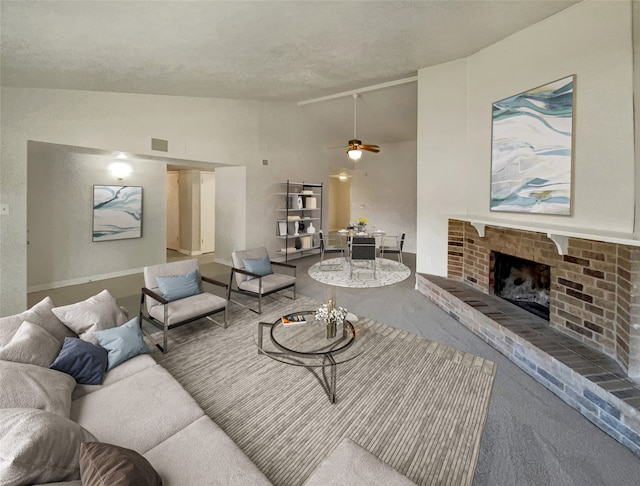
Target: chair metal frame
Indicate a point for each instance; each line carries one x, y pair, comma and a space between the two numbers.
325, 248
145, 316
364, 249
259, 294
393, 249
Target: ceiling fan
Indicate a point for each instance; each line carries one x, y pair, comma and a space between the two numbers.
355, 146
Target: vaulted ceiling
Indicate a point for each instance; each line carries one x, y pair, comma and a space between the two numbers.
282, 51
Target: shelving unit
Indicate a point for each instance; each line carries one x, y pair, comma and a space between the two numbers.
306, 215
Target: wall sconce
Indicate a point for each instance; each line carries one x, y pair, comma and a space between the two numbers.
120, 170
343, 177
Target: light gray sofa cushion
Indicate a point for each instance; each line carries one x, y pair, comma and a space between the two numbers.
203, 454
123, 370
137, 412
31, 344
30, 386
97, 313
351, 465
38, 446
39, 314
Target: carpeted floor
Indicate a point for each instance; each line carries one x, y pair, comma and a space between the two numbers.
336, 271
418, 405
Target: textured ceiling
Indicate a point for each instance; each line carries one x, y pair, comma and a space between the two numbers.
261, 50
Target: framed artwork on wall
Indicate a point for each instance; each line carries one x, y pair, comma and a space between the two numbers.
117, 212
532, 149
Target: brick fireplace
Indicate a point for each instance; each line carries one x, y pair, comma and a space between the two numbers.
594, 286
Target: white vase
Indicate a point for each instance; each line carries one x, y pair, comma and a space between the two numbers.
297, 225
311, 229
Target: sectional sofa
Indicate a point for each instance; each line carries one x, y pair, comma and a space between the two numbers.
45, 415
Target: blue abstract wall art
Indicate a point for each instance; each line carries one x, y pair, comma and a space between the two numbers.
117, 212
531, 156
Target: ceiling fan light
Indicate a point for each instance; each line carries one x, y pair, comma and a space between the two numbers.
355, 154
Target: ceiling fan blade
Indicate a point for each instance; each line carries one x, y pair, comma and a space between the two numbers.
370, 148
369, 145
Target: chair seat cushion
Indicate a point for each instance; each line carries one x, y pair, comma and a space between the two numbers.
189, 307
275, 281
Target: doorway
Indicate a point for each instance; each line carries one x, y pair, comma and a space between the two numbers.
339, 201
207, 212
173, 211
191, 206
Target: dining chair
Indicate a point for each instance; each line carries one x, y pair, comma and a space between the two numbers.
394, 249
327, 248
362, 249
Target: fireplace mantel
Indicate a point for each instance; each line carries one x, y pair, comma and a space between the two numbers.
559, 234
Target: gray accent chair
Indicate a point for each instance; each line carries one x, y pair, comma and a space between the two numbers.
362, 249
260, 285
168, 315
326, 248
395, 249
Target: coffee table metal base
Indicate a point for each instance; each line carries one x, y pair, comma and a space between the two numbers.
328, 383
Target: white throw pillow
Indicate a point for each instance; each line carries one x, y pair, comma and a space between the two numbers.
39, 447
30, 386
94, 314
39, 314
31, 344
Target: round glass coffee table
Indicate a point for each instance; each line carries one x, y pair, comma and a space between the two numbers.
307, 345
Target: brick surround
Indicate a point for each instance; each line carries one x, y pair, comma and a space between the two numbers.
595, 287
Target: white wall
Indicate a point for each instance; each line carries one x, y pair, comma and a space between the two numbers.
383, 190
231, 211
60, 217
442, 160
592, 40
233, 132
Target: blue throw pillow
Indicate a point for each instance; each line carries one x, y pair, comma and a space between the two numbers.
177, 287
122, 342
83, 360
261, 266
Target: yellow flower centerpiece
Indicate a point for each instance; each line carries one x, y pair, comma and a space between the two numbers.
362, 224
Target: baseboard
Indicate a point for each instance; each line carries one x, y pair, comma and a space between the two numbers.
229, 263
190, 253
82, 280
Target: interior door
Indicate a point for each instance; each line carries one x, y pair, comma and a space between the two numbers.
173, 211
208, 212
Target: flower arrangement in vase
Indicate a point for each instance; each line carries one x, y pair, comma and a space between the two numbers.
331, 315
362, 224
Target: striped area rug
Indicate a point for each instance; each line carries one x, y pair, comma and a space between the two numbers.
418, 405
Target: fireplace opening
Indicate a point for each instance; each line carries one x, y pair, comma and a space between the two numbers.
523, 283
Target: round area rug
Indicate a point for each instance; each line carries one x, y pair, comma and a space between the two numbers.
336, 272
